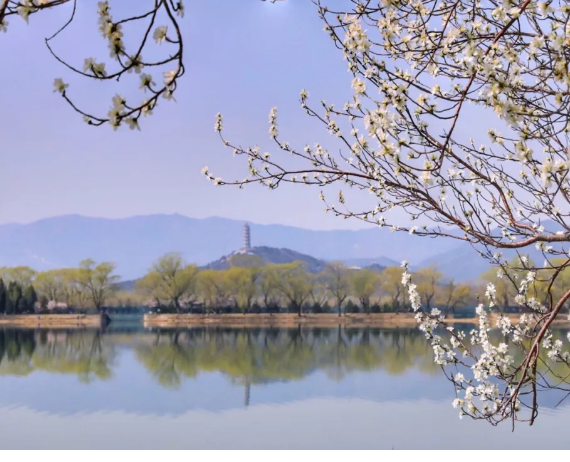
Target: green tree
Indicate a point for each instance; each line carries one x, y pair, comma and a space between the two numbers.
319, 292
243, 282
74, 292
171, 282
43, 302
294, 285
364, 284
212, 288
427, 281
269, 288
22, 275
337, 280
3, 296
391, 283
148, 287
14, 298
452, 296
50, 283
29, 299
97, 280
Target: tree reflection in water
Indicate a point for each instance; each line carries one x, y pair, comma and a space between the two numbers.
247, 356
86, 354
255, 356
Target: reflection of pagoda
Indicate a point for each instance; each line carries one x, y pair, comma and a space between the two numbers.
247, 393
244, 381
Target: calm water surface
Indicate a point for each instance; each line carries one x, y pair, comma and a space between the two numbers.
240, 388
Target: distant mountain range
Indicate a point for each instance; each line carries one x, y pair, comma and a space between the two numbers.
134, 243
366, 262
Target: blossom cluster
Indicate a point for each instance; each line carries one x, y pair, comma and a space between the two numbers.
459, 117
55, 305
488, 362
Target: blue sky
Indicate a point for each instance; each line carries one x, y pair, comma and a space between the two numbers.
242, 58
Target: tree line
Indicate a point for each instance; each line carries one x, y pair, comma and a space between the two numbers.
247, 286
24, 290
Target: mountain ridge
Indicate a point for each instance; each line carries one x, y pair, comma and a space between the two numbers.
134, 243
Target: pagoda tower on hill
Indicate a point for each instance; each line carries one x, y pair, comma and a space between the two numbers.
246, 238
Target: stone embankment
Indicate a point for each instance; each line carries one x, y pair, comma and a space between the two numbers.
51, 320
315, 320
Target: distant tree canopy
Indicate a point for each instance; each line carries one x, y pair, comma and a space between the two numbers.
247, 286
24, 290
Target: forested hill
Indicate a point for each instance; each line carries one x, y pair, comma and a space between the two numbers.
272, 255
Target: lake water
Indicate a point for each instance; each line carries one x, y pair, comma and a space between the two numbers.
216, 388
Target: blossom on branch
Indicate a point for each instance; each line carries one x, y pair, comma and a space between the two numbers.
123, 59
432, 81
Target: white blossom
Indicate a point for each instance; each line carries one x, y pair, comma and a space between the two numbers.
159, 34
60, 86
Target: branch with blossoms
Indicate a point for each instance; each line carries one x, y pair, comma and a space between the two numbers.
421, 72
24, 9
158, 77
125, 61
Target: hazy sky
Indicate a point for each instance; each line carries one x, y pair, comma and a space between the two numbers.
242, 58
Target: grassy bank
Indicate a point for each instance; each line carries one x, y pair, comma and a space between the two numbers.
317, 320
51, 320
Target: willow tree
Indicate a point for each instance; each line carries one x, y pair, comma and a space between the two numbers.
76, 287
459, 121
213, 288
337, 281
390, 283
364, 284
50, 284
428, 281
269, 288
319, 292
244, 285
170, 282
452, 295
97, 281
294, 284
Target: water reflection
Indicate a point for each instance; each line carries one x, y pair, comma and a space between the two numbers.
232, 387
245, 355
209, 368
253, 356
85, 354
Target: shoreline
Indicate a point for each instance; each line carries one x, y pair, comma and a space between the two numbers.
314, 320
280, 320
51, 321
356, 320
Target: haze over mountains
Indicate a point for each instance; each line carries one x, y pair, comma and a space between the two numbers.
134, 243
